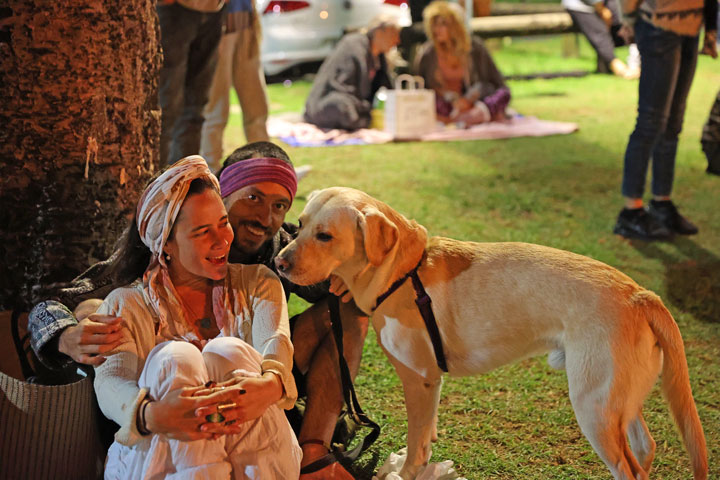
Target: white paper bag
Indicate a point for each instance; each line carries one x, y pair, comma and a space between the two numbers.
409, 108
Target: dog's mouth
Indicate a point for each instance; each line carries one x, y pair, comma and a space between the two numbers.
296, 275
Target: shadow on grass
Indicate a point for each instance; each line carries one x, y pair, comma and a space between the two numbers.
692, 277
365, 467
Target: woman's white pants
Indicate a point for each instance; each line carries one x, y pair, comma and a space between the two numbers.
265, 449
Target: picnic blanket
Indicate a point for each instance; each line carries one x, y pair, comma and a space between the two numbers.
292, 130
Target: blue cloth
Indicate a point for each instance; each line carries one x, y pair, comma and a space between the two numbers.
668, 63
240, 6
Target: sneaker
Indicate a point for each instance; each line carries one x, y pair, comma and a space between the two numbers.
666, 213
637, 223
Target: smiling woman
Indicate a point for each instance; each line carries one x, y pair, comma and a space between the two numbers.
200, 404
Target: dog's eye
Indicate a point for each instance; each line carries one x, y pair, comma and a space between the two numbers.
323, 237
299, 224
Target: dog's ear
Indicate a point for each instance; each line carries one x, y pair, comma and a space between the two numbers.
312, 194
379, 234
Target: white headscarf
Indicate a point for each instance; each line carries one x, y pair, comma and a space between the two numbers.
157, 210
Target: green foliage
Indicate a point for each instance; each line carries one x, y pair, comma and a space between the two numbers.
562, 191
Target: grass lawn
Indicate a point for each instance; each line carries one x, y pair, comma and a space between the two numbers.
562, 191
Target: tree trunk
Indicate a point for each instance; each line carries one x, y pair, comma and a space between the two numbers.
79, 131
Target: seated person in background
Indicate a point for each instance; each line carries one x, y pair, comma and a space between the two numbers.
198, 383
599, 21
344, 88
468, 86
257, 207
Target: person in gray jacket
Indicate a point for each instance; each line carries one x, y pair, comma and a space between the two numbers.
343, 90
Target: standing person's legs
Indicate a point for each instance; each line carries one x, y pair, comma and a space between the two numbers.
663, 168
201, 62
266, 447
661, 58
177, 28
597, 34
665, 152
218, 107
249, 82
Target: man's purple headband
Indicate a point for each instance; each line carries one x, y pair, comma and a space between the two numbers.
257, 170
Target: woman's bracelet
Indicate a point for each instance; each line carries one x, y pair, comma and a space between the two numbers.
141, 424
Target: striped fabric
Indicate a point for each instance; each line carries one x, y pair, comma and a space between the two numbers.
49, 432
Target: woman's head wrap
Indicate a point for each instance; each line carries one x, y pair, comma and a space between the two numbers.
157, 211
160, 203
257, 170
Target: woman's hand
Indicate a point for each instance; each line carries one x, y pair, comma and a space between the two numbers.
174, 415
604, 13
239, 400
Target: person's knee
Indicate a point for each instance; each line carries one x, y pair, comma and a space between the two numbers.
223, 355
651, 124
171, 365
182, 354
337, 111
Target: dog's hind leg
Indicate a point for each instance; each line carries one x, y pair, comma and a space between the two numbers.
641, 442
600, 416
609, 440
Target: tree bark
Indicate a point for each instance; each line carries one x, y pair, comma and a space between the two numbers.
79, 132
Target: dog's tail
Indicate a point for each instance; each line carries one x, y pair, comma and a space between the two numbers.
676, 381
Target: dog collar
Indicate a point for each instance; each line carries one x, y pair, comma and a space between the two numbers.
424, 304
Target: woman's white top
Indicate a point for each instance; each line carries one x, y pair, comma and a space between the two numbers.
254, 309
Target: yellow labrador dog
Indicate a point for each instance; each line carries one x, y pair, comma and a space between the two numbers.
496, 303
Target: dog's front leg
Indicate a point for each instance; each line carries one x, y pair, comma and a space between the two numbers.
421, 400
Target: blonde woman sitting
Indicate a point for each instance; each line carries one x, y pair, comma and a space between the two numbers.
469, 87
199, 384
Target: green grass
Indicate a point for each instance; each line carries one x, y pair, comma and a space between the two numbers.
561, 191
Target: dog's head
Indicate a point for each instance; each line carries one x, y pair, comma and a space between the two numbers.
347, 232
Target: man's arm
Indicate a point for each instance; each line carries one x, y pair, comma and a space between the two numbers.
59, 338
46, 323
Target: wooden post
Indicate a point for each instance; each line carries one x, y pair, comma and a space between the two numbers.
519, 25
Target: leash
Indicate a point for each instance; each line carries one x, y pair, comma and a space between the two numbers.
424, 304
353, 405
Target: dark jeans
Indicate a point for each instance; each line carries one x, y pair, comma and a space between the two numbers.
668, 65
189, 41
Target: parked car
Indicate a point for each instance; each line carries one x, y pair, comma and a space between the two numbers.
300, 31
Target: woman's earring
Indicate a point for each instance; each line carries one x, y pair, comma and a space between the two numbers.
167, 257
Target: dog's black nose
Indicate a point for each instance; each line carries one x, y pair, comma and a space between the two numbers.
281, 264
